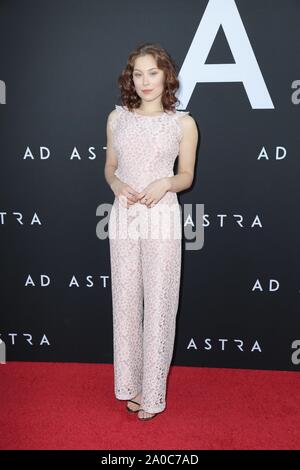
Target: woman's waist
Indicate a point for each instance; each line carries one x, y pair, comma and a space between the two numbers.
167, 206
139, 182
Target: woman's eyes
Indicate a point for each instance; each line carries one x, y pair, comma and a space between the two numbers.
138, 74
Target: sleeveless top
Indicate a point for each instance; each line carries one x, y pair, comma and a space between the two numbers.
146, 146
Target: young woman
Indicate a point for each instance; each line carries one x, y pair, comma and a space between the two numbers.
144, 136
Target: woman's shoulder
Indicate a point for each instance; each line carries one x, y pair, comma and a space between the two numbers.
113, 116
116, 110
180, 114
119, 108
185, 118
186, 122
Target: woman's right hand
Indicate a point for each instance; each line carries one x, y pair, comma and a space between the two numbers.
125, 193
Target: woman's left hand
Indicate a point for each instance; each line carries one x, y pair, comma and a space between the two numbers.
153, 192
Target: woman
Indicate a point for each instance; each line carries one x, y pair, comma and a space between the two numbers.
144, 137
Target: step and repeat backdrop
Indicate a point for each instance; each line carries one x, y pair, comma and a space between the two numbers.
239, 71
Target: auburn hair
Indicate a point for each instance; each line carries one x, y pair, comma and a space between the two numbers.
164, 62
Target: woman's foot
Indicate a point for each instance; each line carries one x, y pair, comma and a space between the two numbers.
134, 406
144, 415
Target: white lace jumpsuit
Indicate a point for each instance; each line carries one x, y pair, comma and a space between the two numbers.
145, 269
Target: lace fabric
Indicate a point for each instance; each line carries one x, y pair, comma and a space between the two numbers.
145, 271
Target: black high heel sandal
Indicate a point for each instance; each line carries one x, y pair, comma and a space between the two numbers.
148, 417
133, 411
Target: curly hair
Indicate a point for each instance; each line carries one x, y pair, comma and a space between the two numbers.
129, 97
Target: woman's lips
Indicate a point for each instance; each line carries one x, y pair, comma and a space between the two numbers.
146, 91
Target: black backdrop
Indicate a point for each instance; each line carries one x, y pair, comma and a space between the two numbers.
239, 302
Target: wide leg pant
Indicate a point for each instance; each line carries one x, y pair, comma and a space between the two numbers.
145, 280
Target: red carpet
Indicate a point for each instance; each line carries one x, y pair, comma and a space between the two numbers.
72, 406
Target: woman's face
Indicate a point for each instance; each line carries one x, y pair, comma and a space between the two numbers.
146, 76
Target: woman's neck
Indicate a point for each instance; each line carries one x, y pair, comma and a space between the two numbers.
150, 111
